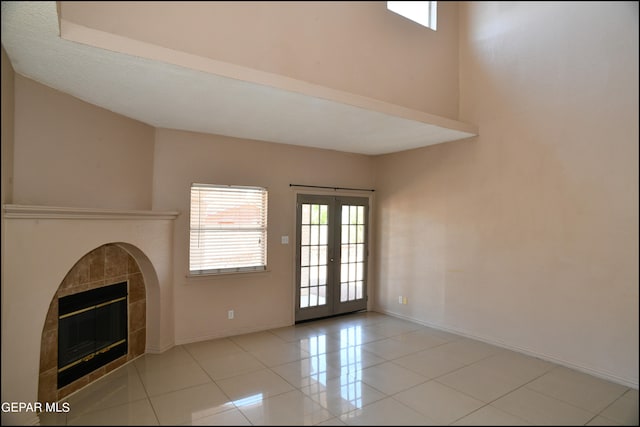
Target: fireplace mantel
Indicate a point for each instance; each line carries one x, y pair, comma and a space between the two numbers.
57, 212
42, 244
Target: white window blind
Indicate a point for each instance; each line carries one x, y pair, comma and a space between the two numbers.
228, 229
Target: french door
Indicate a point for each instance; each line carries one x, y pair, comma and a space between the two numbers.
331, 255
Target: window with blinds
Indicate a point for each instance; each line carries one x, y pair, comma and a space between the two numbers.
228, 229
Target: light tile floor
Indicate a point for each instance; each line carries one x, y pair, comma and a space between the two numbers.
360, 369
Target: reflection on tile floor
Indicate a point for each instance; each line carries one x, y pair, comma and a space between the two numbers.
359, 369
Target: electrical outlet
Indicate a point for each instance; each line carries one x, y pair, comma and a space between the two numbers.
230, 314
400, 299
404, 300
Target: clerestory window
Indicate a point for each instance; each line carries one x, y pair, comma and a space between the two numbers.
423, 12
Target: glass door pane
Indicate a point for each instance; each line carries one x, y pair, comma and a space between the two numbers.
313, 254
313, 257
353, 254
329, 228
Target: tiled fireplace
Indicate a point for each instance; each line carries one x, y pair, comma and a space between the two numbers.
105, 266
54, 253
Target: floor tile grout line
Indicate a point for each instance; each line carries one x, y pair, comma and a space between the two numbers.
537, 392
210, 377
233, 402
130, 363
153, 408
614, 401
484, 406
502, 395
196, 385
566, 402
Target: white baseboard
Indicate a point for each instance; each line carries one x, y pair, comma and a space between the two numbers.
158, 350
230, 333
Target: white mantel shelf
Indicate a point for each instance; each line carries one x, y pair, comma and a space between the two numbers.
57, 212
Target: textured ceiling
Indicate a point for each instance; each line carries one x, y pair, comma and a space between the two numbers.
169, 89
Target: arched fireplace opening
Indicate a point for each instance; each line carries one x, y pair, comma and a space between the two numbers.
96, 322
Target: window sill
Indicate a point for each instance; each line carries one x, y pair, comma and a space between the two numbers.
224, 275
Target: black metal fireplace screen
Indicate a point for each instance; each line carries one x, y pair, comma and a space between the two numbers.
92, 331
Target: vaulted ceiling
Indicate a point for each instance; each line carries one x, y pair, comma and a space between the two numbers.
166, 88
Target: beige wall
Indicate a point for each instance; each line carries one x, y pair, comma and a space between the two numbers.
260, 300
71, 153
6, 186
8, 77
527, 235
357, 47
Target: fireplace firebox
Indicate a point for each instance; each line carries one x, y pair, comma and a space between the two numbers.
92, 330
